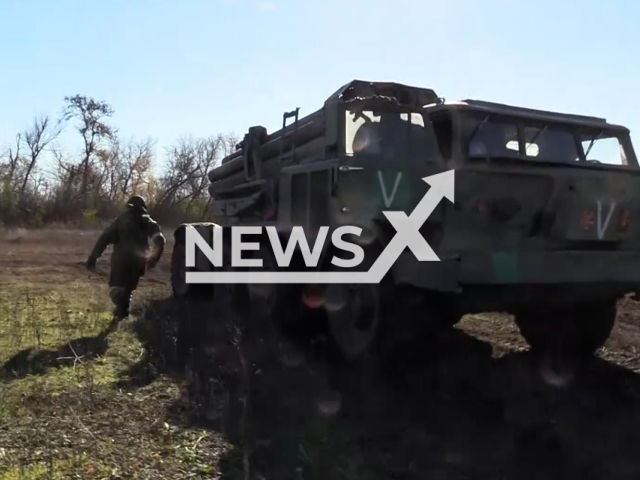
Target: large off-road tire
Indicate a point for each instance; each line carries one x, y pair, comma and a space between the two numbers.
178, 272
190, 328
282, 306
579, 330
354, 329
357, 323
181, 289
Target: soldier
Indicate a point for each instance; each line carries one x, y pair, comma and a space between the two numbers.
129, 234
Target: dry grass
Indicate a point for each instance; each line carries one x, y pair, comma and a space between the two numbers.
63, 411
68, 405
82, 399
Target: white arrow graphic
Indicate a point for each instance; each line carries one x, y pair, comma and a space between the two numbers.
407, 235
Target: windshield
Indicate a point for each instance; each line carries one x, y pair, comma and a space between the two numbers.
494, 139
551, 143
391, 136
603, 148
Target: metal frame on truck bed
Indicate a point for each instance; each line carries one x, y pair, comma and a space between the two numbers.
539, 227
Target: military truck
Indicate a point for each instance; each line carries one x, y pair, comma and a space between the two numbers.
541, 224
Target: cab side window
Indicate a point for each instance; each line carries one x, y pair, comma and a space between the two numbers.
603, 149
444, 133
493, 138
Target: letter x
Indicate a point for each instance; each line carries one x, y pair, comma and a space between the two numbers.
408, 231
408, 235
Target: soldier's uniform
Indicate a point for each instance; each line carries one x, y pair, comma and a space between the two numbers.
129, 234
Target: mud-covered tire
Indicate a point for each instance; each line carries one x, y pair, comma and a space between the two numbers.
351, 337
580, 330
192, 300
182, 290
280, 305
354, 335
178, 272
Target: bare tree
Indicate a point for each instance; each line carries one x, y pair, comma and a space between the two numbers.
107, 170
229, 143
136, 162
65, 176
10, 167
124, 167
91, 116
188, 163
37, 138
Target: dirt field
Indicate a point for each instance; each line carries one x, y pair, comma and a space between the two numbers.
81, 398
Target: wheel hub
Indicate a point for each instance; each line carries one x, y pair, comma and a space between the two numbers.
353, 327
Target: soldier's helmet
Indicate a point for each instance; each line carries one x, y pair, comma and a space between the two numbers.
136, 202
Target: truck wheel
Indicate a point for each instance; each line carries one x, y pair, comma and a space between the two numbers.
356, 314
580, 330
178, 272
190, 329
181, 289
279, 304
354, 328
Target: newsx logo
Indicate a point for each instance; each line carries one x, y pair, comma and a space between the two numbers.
407, 236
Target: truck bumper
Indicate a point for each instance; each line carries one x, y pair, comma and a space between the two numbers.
524, 268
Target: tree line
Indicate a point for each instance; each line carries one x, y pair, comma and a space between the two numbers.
42, 184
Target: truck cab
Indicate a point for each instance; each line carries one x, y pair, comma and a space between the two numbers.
544, 224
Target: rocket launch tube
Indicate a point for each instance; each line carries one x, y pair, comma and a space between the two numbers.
309, 128
269, 169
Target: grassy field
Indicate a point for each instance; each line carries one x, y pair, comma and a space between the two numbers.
72, 404
83, 398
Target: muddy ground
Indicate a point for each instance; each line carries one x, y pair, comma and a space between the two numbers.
475, 404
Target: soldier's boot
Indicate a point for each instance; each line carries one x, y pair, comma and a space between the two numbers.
121, 311
121, 298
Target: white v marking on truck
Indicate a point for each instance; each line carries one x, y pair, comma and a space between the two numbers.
603, 228
389, 200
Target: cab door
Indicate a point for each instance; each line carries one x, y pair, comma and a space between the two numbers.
386, 157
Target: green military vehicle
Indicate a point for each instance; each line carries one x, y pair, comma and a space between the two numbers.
540, 224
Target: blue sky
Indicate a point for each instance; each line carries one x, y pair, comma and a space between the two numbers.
172, 68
